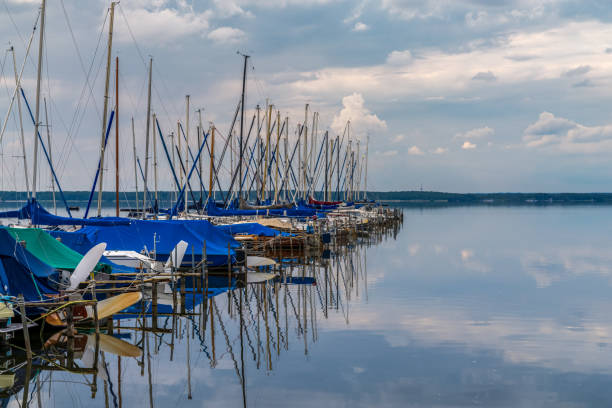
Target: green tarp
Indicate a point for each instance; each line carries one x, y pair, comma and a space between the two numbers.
49, 250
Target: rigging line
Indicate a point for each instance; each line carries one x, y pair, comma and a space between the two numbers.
161, 100
82, 95
66, 151
76, 47
71, 136
14, 25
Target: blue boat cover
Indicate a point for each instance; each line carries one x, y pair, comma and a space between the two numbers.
159, 235
213, 210
32, 210
252, 228
21, 272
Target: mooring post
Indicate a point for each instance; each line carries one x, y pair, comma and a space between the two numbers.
26, 332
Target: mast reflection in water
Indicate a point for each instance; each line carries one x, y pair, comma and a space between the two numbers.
178, 347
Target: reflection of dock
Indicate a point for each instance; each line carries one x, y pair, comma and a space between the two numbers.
245, 327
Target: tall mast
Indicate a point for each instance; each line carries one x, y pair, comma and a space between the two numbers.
365, 195
37, 114
50, 155
212, 161
304, 161
135, 167
258, 144
338, 168
246, 57
117, 136
325, 140
105, 109
286, 156
186, 150
147, 137
23, 150
277, 147
155, 167
200, 131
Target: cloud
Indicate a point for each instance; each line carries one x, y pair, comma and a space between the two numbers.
389, 153
227, 35
399, 57
564, 135
161, 24
467, 145
477, 133
484, 76
362, 120
359, 26
440, 150
398, 138
578, 71
415, 151
585, 83
229, 8
466, 254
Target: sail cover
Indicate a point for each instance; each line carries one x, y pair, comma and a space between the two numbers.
35, 212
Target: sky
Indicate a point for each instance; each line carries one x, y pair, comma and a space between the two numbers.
459, 96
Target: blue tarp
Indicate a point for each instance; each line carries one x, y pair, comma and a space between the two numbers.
21, 272
252, 228
32, 210
159, 235
213, 210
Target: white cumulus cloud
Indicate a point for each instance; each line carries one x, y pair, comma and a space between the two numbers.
415, 151
468, 146
440, 150
227, 35
477, 133
359, 26
362, 120
565, 135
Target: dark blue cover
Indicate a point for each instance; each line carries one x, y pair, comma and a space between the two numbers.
252, 228
33, 211
21, 272
140, 234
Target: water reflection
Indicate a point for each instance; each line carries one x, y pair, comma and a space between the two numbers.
461, 307
181, 346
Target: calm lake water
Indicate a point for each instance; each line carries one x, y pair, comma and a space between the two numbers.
471, 306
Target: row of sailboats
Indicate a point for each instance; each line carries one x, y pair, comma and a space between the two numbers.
270, 189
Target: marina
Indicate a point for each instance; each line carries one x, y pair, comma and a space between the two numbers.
305, 204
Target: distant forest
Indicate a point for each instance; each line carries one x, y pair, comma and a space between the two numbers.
416, 198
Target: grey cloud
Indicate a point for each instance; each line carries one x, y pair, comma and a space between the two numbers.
484, 76
578, 71
586, 83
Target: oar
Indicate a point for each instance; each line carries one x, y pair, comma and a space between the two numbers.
87, 264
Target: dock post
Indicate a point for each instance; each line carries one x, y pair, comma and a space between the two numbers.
24, 322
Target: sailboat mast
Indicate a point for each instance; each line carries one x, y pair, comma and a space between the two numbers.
105, 109
155, 168
23, 149
135, 166
277, 156
365, 181
37, 111
147, 137
200, 132
117, 136
246, 57
50, 154
304, 160
186, 150
212, 161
